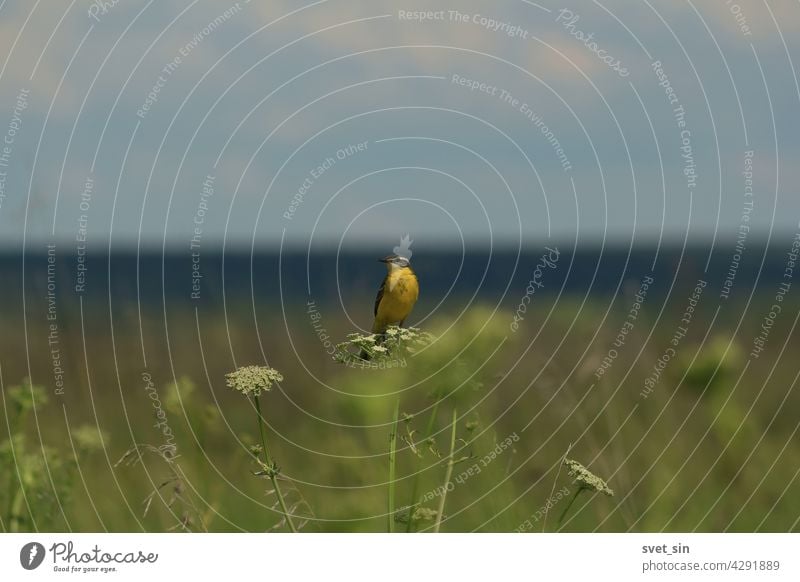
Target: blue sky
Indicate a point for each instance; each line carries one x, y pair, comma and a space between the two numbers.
272, 99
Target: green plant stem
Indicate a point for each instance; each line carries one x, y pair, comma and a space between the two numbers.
13, 492
448, 473
14, 510
393, 464
11, 497
555, 480
571, 501
272, 476
415, 483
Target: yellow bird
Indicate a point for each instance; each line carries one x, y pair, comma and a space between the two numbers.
396, 297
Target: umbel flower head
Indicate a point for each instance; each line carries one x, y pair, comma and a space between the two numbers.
420, 514
252, 380
395, 342
585, 479
89, 438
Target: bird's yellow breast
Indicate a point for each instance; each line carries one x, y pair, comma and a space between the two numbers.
400, 293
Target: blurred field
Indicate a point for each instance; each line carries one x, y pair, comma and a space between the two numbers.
713, 447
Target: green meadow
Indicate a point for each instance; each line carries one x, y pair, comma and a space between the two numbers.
466, 433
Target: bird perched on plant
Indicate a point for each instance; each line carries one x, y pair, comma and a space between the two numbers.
396, 297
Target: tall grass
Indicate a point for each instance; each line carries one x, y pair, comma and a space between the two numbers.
393, 466
451, 461
694, 415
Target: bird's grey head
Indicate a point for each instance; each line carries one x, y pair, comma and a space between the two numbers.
395, 262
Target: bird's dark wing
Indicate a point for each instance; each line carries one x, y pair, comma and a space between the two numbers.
379, 297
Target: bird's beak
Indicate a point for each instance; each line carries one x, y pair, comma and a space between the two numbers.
384, 260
